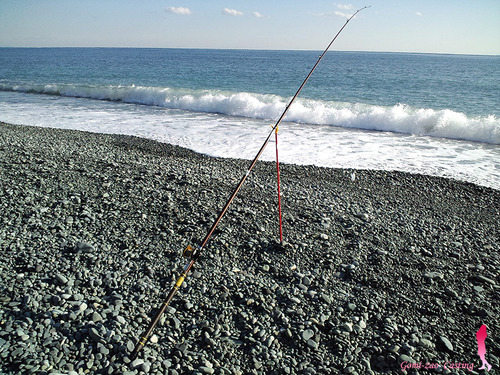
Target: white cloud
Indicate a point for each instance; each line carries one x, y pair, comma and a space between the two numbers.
418, 14
337, 13
341, 14
179, 10
232, 12
344, 6
258, 15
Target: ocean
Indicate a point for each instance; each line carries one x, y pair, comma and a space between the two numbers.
421, 113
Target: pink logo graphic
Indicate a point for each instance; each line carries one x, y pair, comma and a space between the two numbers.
481, 347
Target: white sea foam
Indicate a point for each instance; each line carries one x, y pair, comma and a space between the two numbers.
240, 137
398, 119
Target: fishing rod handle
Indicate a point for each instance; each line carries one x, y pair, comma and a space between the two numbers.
145, 336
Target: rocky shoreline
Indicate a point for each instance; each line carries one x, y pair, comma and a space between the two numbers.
381, 271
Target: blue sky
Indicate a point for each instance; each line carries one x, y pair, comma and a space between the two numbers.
433, 26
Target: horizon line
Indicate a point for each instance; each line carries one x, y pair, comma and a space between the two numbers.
257, 49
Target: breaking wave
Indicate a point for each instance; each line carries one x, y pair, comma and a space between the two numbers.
399, 118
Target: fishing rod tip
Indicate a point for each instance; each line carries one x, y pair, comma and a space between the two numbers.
365, 7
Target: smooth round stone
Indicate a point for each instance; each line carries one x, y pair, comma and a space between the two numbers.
61, 278
312, 344
307, 334
206, 370
347, 327
96, 317
130, 346
447, 344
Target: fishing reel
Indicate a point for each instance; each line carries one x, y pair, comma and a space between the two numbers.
191, 253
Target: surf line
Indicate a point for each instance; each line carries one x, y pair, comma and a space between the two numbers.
193, 253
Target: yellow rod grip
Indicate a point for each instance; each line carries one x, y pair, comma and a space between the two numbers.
180, 280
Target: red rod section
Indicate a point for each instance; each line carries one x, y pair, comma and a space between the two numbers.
279, 190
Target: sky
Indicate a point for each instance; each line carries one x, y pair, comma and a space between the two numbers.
422, 26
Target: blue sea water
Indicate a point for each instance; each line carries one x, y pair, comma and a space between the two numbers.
426, 113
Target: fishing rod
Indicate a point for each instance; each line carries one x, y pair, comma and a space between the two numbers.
193, 253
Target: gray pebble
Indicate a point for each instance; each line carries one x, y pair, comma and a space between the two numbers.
82, 306
130, 346
347, 327
84, 247
447, 344
136, 363
61, 279
94, 335
312, 344
206, 370
426, 343
326, 298
485, 280
307, 334
96, 317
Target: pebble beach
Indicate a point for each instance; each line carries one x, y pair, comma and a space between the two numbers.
381, 272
